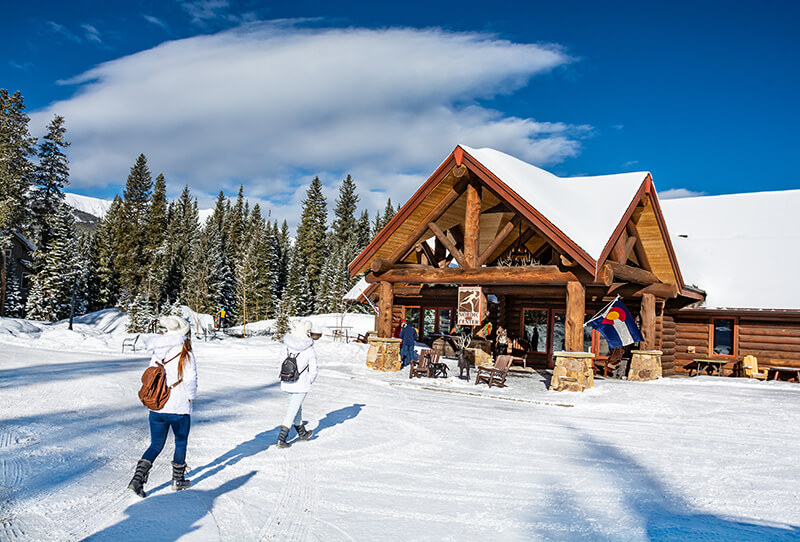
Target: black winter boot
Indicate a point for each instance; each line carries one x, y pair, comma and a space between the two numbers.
178, 481
302, 432
140, 477
282, 437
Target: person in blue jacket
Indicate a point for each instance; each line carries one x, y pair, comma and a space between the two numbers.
408, 336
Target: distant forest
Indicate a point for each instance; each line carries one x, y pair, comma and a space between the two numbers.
148, 255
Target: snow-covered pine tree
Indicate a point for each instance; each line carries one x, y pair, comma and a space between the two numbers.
103, 287
15, 303
58, 270
282, 323
132, 259
184, 227
141, 314
344, 224
310, 250
51, 176
382, 219
363, 231
156, 249
17, 147
284, 259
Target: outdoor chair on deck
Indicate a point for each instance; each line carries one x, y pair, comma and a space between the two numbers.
610, 364
750, 368
422, 366
495, 375
518, 350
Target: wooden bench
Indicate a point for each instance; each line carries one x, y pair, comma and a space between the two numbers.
776, 370
421, 367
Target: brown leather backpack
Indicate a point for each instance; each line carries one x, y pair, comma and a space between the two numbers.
154, 391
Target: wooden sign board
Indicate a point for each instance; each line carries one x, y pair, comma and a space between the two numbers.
470, 305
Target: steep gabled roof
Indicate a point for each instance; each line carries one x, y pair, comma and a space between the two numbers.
583, 216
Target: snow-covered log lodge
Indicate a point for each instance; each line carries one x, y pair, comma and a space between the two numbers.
707, 277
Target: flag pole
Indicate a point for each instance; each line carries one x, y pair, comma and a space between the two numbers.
601, 311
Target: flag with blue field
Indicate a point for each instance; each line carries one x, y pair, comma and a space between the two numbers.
616, 324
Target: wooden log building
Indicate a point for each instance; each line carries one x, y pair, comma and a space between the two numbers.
550, 252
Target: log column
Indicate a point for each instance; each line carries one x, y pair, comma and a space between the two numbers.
472, 226
648, 316
576, 309
386, 303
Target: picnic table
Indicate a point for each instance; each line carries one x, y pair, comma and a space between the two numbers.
776, 371
340, 333
706, 364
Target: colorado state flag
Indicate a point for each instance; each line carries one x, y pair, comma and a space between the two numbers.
616, 324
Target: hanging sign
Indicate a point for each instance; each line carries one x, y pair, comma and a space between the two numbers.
470, 305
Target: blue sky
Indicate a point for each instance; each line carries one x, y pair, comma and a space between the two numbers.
218, 93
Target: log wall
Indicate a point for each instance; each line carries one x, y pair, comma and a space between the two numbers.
772, 341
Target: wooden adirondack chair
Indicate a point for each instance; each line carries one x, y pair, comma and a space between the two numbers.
495, 375
610, 364
750, 367
422, 366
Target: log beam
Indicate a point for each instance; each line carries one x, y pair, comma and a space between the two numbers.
638, 247
385, 305
435, 213
523, 239
440, 235
530, 275
573, 324
472, 226
629, 273
648, 317
504, 233
426, 249
618, 252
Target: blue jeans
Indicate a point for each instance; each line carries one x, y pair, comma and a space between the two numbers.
294, 413
159, 427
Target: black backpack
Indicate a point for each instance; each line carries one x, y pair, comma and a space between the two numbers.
289, 368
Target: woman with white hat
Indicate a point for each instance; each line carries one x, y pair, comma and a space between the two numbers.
300, 344
173, 350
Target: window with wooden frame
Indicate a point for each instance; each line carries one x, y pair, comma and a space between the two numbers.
534, 329
723, 336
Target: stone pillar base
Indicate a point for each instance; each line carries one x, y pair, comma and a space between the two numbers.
384, 354
645, 365
573, 371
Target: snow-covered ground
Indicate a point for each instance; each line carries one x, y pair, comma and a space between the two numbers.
704, 458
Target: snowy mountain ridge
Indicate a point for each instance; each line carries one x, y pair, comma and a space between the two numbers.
99, 207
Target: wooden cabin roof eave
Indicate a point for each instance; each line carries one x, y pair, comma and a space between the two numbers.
522, 206
361, 262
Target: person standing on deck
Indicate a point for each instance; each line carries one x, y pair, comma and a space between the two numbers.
408, 336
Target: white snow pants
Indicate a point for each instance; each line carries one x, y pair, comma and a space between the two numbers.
294, 413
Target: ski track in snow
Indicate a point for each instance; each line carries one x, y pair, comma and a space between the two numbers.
391, 458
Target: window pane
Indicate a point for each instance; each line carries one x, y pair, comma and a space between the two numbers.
412, 317
558, 331
430, 321
602, 345
444, 320
587, 338
535, 329
723, 336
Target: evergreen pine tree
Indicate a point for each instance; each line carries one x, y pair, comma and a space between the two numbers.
344, 225
282, 323
16, 171
363, 231
15, 303
51, 176
310, 250
59, 270
132, 257
103, 284
184, 229
156, 249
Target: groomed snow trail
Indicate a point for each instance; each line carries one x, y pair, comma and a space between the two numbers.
391, 459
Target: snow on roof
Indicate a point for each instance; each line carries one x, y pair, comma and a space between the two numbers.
742, 249
355, 292
25, 241
586, 209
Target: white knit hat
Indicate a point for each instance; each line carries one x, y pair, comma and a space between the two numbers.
301, 328
174, 324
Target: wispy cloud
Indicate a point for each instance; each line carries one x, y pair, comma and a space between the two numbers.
25, 66
92, 34
630, 163
271, 105
155, 21
676, 193
63, 31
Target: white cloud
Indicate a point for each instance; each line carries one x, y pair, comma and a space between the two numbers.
271, 105
92, 34
676, 193
155, 21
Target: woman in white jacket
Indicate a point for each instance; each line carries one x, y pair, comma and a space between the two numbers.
298, 343
175, 348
